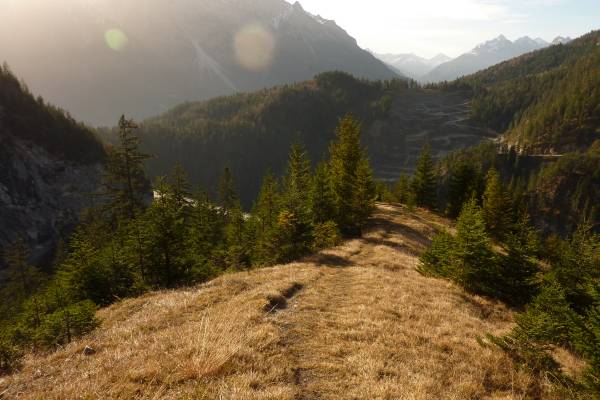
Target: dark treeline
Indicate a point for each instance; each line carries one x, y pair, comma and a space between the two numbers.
43, 124
128, 245
554, 282
237, 131
558, 192
546, 101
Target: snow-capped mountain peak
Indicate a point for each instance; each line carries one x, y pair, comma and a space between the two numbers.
492, 45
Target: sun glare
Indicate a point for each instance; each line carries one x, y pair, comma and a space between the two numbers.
116, 39
254, 47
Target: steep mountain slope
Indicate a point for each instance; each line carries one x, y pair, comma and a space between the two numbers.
547, 102
357, 321
252, 133
483, 56
103, 58
547, 105
412, 65
49, 165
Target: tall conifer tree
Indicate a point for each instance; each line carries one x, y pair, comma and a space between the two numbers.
321, 196
425, 180
496, 205
125, 182
346, 156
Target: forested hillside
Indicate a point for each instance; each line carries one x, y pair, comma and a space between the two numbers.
547, 101
250, 133
108, 57
127, 244
26, 117
50, 164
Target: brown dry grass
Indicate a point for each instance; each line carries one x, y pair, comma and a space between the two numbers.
354, 322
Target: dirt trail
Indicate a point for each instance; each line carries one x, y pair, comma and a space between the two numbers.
372, 327
354, 322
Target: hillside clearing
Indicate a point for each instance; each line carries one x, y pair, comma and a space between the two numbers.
354, 322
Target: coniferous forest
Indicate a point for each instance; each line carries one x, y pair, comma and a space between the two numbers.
130, 244
287, 172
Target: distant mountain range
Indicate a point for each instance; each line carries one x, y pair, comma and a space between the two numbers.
101, 58
485, 55
411, 64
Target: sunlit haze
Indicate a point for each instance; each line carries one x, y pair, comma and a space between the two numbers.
428, 27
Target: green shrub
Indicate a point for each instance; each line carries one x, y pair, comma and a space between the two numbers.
9, 354
326, 235
439, 258
67, 323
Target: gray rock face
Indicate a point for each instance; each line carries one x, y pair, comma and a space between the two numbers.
103, 58
41, 197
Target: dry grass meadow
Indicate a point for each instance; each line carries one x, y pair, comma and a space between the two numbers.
354, 322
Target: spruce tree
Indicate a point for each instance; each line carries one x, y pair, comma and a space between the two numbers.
20, 279
206, 235
165, 238
496, 205
264, 218
23, 277
125, 182
322, 198
295, 200
425, 180
363, 195
180, 186
463, 184
346, 156
228, 198
297, 181
476, 263
402, 189
237, 253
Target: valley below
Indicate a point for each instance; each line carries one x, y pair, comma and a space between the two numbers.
419, 117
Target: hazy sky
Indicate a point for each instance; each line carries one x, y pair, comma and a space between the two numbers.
428, 27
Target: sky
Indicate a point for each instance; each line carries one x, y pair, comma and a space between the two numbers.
453, 27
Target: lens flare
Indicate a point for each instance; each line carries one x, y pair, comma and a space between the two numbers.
254, 46
116, 39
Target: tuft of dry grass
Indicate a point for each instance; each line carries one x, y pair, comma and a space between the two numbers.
354, 322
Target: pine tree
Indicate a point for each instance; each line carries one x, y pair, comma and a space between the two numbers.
322, 198
180, 186
346, 156
228, 198
264, 220
402, 189
476, 263
165, 238
463, 184
425, 181
125, 182
237, 253
207, 226
19, 281
23, 277
297, 181
295, 201
91, 273
496, 205
363, 195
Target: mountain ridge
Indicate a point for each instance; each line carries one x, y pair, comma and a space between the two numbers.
410, 64
485, 55
254, 335
187, 51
